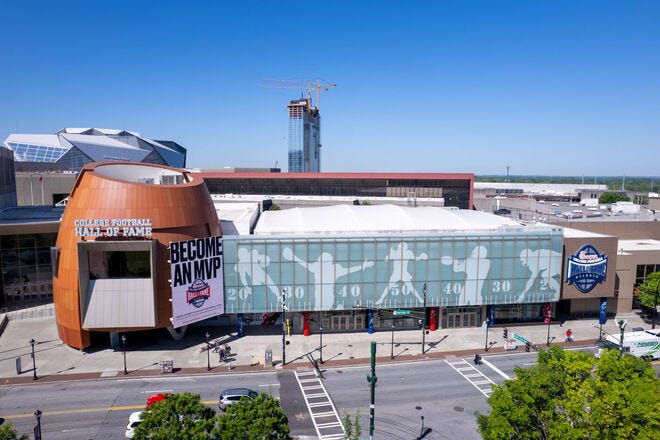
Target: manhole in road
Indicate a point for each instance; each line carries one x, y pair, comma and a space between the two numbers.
459, 408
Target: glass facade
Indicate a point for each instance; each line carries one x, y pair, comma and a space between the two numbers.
304, 137
644, 270
26, 268
119, 264
296, 145
388, 272
36, 153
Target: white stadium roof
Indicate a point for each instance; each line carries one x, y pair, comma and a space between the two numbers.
93, 145
380, 219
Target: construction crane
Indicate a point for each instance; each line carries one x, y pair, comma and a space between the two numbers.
316, 86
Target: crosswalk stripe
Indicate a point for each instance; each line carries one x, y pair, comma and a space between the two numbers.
318, 391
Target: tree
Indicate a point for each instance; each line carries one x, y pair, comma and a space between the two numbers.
8, 433
180, 416
352, 427
253, 419
610, 197
646, 292
572, 395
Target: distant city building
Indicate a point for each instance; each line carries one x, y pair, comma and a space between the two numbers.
454, 188
7, 179
72, 148
304, 137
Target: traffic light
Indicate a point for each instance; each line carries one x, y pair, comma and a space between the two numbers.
506, 334
527, 346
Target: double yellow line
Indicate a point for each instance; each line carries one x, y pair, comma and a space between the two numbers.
88, 410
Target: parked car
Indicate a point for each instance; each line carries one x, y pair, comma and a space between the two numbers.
502, 211
153, 398
231, 395
133, 421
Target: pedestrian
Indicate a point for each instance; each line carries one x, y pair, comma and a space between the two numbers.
569, 335
222, 355
227, 349
477, 359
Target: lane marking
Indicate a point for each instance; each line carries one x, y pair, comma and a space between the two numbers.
88, 410
329, 410
461, 365
495, 369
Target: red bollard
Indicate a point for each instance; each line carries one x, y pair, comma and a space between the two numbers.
306, 323
433, 318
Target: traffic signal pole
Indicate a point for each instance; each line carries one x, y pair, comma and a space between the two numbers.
372, 380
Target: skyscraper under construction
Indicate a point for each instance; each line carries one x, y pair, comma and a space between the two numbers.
304, 137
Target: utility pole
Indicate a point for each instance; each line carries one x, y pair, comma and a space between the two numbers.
34, 362
424, 319
37, 431
372, 380
284, 327
487, 325
392, 346
123, 346
208, 349
655, 303
622, 325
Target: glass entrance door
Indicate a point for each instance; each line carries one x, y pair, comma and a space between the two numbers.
457, 317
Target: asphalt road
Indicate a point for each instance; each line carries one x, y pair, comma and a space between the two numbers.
445, 392
99, 409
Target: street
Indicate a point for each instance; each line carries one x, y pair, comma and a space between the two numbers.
405, 392
444, 395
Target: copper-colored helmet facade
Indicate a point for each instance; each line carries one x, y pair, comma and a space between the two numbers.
129, 206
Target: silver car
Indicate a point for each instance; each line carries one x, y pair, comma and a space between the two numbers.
231, 395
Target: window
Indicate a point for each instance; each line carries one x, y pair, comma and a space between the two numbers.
119, 264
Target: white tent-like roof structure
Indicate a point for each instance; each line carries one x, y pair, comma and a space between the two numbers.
378, 219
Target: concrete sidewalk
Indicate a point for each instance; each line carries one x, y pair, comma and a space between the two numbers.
56, 361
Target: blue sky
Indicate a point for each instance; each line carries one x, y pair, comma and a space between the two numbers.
545, 87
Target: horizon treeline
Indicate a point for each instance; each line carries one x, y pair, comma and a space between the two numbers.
637, 184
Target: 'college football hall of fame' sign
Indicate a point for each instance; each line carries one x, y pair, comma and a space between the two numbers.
586, 268
196, 278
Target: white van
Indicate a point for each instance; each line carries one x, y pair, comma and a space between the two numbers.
644, 344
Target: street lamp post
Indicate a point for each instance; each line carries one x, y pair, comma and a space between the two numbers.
547, 342
37, 434
208, 349
321, 342
424, 318
655, 303
34, 362
487, 325
123, 349
392, 346
622, 325
284, 327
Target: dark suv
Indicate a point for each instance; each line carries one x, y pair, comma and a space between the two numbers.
231, 395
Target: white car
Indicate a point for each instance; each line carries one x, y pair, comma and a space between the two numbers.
133, 421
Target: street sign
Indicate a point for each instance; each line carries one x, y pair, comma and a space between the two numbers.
520, 338
401, 312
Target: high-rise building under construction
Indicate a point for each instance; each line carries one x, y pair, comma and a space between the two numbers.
304, 137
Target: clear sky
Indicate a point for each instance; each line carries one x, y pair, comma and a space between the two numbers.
545, 87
